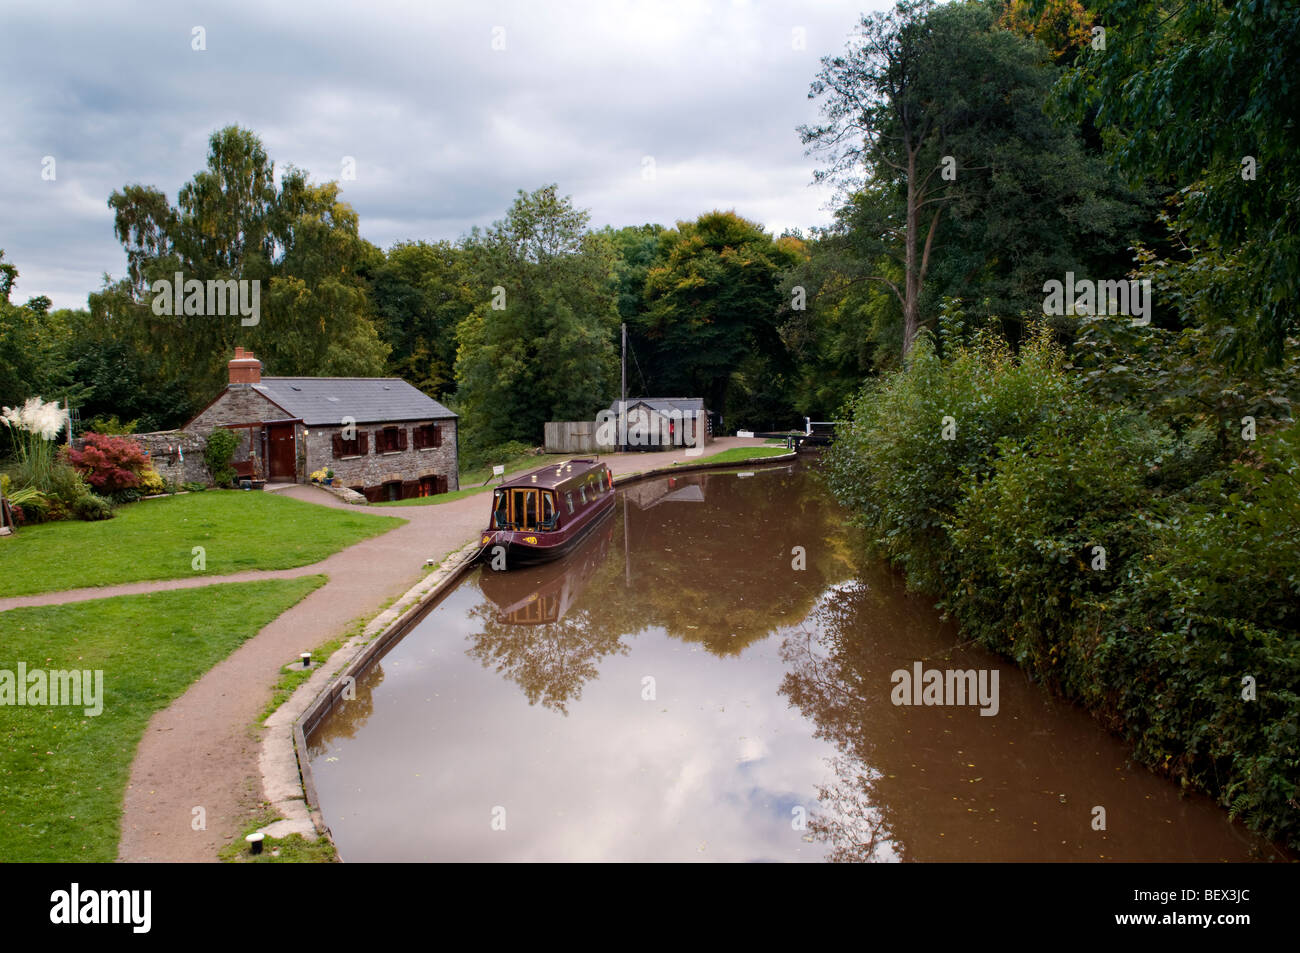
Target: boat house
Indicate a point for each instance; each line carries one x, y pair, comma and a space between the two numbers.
653, 423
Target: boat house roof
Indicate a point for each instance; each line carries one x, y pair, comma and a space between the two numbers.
663, 405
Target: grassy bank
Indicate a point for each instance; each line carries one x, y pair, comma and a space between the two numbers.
736, 455
155, 539
63, 774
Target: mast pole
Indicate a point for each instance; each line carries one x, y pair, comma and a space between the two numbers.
622, 405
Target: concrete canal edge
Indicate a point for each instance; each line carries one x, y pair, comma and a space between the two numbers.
287, 779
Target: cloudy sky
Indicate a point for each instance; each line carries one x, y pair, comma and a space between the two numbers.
643, 112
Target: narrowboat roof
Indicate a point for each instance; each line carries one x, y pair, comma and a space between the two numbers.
556, 475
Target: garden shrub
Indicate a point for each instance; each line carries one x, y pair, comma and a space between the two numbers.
92, 507
1045, 537
151, 482
217, 454
892, 466
109, 464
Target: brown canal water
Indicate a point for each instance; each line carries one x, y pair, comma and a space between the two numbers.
678, 690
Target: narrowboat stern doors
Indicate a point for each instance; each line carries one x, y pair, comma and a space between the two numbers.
545, 513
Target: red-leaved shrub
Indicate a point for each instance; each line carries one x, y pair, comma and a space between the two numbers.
109, 464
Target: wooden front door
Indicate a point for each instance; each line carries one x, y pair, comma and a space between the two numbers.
281, 452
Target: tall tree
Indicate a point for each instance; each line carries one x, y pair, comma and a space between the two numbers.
420, 292
297, 241
1201, 96
713, 300
955, 176
539, 343
33, 347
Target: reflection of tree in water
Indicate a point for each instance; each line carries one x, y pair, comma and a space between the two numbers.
348, 715
720, 572
550, 662
850, 820
717, 573
828, 680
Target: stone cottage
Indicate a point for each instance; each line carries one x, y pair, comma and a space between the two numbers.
381, 436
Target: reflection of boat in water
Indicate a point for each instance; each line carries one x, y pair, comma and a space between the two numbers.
545, 513
544, 593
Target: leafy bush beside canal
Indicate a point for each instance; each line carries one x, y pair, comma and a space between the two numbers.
1005, 521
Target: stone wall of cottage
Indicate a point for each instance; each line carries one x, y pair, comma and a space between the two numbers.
374, 469
238, 405
177, 455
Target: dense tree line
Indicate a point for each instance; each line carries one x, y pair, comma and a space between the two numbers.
1109, 500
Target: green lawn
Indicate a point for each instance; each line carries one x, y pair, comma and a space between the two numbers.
736, 454
63, 774
155, 539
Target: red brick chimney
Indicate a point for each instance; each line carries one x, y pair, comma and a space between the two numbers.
245, 368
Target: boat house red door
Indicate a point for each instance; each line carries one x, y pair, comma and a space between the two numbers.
281, 452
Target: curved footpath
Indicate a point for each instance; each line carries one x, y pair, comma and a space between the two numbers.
202, 750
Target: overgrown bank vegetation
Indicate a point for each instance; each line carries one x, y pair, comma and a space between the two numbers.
1005, 524
1110, 497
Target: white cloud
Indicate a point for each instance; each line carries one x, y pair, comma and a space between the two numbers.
444, 129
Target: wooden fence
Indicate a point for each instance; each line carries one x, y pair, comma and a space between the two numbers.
574, 436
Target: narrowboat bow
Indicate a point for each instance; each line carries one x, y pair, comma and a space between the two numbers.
545, 513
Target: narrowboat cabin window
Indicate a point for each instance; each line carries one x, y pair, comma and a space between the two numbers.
500, 516
548, 511
568, 498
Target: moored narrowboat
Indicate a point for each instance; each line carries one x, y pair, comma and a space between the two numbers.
545, 513
542, 594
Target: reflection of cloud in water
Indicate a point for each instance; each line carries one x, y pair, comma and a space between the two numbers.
772, 695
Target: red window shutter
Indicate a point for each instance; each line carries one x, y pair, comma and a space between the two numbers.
364, 441
410, 489
379, 441
401, 438
442, 484
338, 445
437, 436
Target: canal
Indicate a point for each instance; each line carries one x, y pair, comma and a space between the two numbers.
712, 677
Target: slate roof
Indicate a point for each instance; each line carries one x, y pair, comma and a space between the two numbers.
687, 405
327, 400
